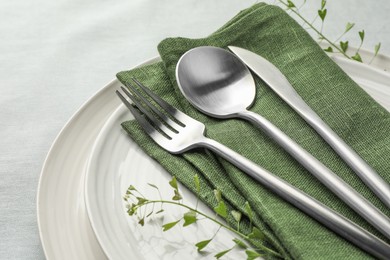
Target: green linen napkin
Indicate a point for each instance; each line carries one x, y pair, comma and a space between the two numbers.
340, 102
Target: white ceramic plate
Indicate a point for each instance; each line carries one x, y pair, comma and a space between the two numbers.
64, 226
116, 162
65, 229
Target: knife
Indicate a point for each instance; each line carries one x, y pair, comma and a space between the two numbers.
274, 78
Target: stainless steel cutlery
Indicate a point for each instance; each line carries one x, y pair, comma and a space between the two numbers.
176, 132
280, 85
217, 83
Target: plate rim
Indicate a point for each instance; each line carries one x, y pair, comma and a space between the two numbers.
43, 173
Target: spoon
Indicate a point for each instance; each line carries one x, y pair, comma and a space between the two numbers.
218, 84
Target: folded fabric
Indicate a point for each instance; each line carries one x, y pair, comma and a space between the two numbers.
340, 102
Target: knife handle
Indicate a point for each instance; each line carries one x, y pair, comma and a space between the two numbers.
315, 209
333, 182
365, 172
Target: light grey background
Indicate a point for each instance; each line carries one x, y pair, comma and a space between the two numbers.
54, 55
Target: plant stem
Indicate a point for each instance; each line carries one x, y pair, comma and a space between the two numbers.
315, 30
263, 248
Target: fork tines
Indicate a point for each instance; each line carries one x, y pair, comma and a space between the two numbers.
147, 114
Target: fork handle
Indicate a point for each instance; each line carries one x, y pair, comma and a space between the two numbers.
332, 181
326, 216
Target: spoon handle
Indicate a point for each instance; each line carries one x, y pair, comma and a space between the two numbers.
333, 182
275, 79
326, 216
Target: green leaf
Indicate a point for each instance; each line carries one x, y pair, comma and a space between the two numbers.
322, 14
197, 183
361, 35
349, 26
189, 218
248, 211
177, 195
131, 187
222, 253
141, 221
170, 225
218, 195
290, 4
150, 213
251, 254
256, 233
160, 211
236, 215
131, 211
240, 243
152, 185
141, 200
357, 57
173, 183
202, 244
323, 3
220, 209
377, 47
344, 46
329, 49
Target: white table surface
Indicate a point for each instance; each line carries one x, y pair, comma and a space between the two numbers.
54, 55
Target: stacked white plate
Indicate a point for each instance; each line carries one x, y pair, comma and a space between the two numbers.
81, 211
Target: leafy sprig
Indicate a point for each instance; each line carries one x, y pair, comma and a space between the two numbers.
336, 46
135, 202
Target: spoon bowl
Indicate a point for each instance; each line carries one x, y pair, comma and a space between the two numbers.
215, 81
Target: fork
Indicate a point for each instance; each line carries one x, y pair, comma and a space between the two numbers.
177, 133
